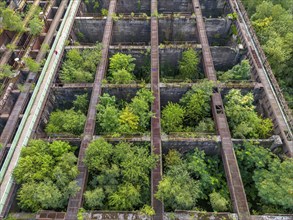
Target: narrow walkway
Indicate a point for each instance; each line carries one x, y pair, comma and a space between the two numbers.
76, 202
156, 109
233, 176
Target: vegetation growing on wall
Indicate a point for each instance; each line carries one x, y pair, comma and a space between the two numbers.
6, 71
243, 119
121, 69
80, 66
46, 172
193, 111
273, 22
119, 175
70, 121
193, 181
266, 178
238, 72
11, 20
133, 117
36, 24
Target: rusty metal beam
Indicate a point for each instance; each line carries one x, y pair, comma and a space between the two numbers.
157, 172
237, 192
75, 202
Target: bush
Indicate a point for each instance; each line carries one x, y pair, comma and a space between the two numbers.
239, 72
46, 172
119, 175
172, 118
80, 66
66, 122
6, 71
11, 20
242, 117
121, 77
218, 202
188, 66
32, 64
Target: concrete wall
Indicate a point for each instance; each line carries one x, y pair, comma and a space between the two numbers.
175, 6
138, 31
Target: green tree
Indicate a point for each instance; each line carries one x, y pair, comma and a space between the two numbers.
120, 61
218, 202
239, 72
128, 121
109, 119
46, 172
6, 71
242, 117
121, 77
11, 20
275, 184
188, 66
97, 155
66, 122
32, 64
81, 103
197, 101
127, 197
172, 117
94, 199
36, 26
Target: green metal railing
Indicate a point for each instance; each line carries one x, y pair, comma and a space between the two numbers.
48, 71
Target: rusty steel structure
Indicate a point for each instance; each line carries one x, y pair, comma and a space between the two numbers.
12, 135
76, 202
237, 192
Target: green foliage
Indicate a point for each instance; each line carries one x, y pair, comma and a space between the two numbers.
218, 202
46, 172
80, 66
32, 64
104, 12
147, 210
119, 175
239, 72
66, 122
267, 179
120, 61
6, 71
134, 116
81, 103
242, 117
121, 77
36, 25
11, 20
205, 125
273, 22
197, 101
197, 173
188, 66
172, 117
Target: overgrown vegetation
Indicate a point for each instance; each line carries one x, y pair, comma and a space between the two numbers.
32, 64
121, 69
243, 119
266, 178
133, 117
80, 66
273, 22
119, 175
193, 113
187, 68
46, 172
70, 121
36, 24
238, 72
193, 181
11, 20
6, 71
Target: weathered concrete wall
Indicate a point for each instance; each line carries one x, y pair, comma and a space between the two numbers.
177, 30
138, 31
225, 57
165, 6
128, 31
89, 30
213, 8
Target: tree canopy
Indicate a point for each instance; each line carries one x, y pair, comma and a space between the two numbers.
266, 178
133, 117
243, 118
46, 172
80, 66
119, 175
197, 173
188, 66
